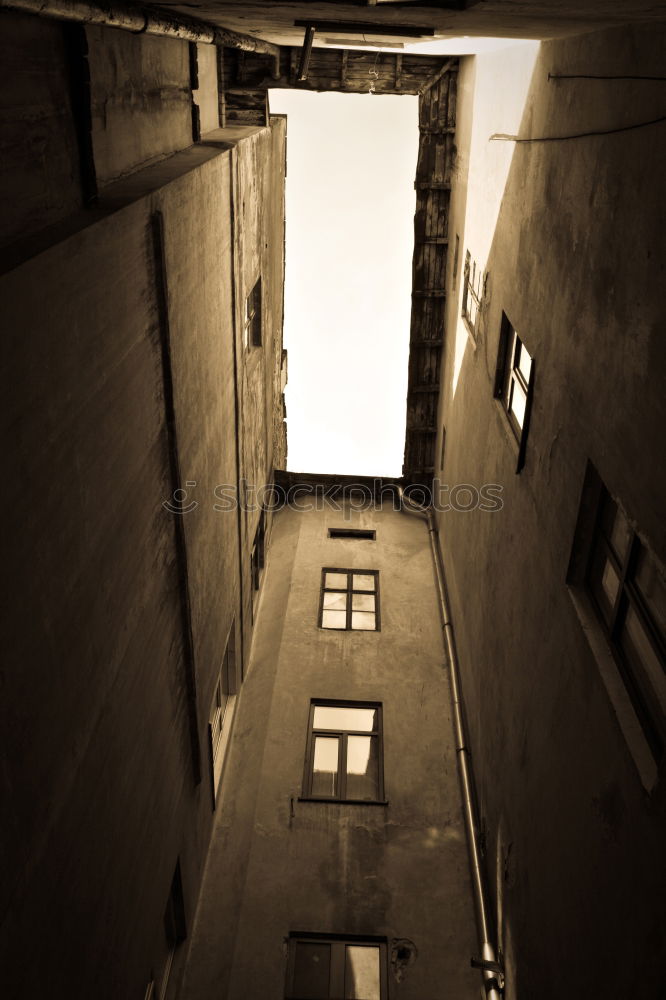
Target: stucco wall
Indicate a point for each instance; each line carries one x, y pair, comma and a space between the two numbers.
278, 864
98, 781
571, 247
39, 171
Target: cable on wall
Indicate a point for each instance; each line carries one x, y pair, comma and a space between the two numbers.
577, 135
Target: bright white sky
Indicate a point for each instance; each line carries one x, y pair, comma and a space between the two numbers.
351, 163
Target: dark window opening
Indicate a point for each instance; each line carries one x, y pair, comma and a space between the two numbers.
352, 533
252, 323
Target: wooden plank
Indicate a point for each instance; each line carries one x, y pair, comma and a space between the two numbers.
221, 89
429, 293
432, 186
306, 53
436, 77
343, 69
398, 72
434, 240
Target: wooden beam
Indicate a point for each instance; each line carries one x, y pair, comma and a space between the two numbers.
432, 186
343, 68
440, 130
436, 77
434, 240
429, 293
398, 72
306, 52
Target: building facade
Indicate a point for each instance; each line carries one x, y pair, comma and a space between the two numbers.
229, 759
144, 365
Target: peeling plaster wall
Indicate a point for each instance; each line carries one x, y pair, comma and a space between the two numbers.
279, 865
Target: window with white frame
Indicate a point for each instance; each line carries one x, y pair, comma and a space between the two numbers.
472, 292
514, 384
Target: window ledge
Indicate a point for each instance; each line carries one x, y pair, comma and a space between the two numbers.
616, 690
345, 802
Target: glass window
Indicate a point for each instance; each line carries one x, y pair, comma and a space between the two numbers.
628, 591
344, 752
514, 384
350, 600
323, 968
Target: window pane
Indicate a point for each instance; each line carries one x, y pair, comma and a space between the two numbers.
363, 602
361, 972
517, 402
312, 970
363, 620
335, 600
336, 581
604, 581
362, 767
524, 363
616, 528
652, 588
363, 581
341, 718
325, 766
334, 619
641, 654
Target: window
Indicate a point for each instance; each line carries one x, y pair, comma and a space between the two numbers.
472, 293
514, 384
174, 926
352, 533
252, 324
257, 557
344, 753
628, 591
328, 968
350, 599
225, 688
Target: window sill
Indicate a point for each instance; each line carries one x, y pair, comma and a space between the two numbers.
345, 802
628, 721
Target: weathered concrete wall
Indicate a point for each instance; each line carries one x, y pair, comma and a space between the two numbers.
573, 249
205, 94
39, 172
141, 99
259, 252
279, 865
97, 771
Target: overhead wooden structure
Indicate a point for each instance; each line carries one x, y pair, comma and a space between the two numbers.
437, 123
245, 77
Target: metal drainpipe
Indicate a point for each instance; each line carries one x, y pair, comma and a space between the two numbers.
481, 904
141, 20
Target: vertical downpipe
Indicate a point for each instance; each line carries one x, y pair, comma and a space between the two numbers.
480, 892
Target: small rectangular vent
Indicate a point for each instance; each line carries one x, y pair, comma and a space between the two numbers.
352, 533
